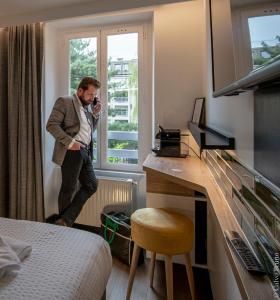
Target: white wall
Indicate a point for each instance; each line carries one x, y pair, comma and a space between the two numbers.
52, 86
232, 115
178, 69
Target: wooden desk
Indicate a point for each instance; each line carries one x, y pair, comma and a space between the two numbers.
192, 174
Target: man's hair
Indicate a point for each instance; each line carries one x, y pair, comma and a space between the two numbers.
86, 81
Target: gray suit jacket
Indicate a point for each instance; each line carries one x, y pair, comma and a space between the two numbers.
64, 124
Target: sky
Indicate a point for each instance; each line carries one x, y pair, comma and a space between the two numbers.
119, 46
123, 46
264, 28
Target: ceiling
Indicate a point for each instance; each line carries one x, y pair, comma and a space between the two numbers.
16, 12
21, 7
239, 3
14, 7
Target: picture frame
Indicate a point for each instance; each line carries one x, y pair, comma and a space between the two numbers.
198, 116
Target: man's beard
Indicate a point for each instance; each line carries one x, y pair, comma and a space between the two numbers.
84, 102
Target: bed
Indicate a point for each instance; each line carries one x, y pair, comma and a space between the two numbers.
65, 263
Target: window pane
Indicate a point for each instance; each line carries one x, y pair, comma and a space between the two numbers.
82, 62
122, 99
265, 38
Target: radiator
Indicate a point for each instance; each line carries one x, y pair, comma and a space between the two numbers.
110, 191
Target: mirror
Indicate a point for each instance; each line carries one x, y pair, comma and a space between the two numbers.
245, 38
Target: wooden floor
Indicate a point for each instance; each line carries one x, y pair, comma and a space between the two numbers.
117, 285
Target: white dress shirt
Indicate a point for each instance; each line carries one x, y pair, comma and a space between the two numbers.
84, 135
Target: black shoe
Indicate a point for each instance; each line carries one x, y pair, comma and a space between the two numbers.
52, 218
61, 222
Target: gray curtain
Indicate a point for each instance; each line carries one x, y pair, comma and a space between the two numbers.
23, 115
3, 123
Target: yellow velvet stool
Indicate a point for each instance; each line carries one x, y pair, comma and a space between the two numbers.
161, 230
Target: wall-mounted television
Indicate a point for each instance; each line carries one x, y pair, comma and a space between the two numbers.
245, 38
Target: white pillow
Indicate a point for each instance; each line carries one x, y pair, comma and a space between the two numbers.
9, 261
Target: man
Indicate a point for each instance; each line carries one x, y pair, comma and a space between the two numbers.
72, 122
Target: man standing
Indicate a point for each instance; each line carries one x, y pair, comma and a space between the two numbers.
72, 122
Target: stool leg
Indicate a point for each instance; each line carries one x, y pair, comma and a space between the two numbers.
190, 274
135, 256
152, 268
169, 276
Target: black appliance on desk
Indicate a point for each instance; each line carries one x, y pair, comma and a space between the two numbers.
170, 143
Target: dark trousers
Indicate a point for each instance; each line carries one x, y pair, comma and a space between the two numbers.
77, 165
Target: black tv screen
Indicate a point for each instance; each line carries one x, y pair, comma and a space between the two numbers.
267, 132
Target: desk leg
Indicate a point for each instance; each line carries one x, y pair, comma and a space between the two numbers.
200, 232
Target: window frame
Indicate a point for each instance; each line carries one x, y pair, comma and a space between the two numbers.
144, 94
116, 30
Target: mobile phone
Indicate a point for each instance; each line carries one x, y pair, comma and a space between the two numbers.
95, 99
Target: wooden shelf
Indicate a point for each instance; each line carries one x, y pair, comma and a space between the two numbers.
208, 138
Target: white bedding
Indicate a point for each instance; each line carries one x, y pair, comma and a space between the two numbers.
65, 263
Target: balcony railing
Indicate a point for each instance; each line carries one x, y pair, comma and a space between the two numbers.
120, 99
121, 136
121, 113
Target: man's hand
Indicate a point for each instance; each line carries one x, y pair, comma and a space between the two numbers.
97, 108
76, 146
